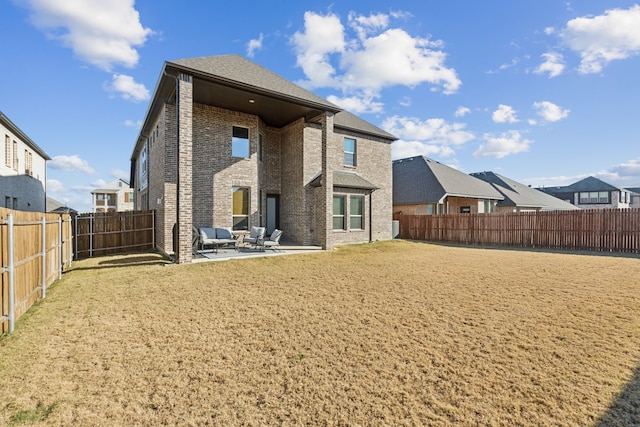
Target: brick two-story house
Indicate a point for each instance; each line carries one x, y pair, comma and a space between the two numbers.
226, 142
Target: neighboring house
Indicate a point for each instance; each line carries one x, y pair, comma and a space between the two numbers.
116, 196
55, 206
635, 197
228, 143
422, 186
23, 170
592, 193
521, 198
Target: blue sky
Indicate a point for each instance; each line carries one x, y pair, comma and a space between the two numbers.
545, 92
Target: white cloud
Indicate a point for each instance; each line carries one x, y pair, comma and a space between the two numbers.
128, 89
549, 30
55, 186
102, 33
368, 58
507, 143
356, 104
550, 112
366, 25
253, 45
133, 124
323, 35
604, 38
504, 114
401, 149
624, 174
395, 58
98, 183
76, 197
432, 131
121, 174
462, 111
70, 163
553, 64
405, 101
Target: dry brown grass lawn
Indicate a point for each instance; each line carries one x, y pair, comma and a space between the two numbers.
385, 334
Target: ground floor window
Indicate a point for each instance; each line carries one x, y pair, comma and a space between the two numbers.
338, 213
356, 209
240, 208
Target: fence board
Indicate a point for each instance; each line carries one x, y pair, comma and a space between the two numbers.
29, 252
113, 232
610, 230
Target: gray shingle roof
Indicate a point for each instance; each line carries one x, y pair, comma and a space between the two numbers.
346, 120
589, 184
418, 180
520, 195
236, 69
345, 179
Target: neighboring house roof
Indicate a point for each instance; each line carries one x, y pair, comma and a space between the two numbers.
16, 130
633, 189
520, 195
418, 180
345, 180
57, 207
113, 186
235, 83
589, 184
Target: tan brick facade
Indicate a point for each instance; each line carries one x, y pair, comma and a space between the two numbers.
292, 156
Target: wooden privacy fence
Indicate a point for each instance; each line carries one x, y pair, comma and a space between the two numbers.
35, 248
113, 232
611, 230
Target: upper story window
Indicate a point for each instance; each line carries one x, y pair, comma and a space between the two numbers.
260, 146
240, 142
15, 155
7, 151
144, 166
594, 197
28, 162
349, 152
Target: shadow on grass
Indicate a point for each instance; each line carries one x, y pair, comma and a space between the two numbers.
126, 260
625, 410
529, 249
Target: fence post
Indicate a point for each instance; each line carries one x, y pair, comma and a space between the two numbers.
75, 243
44, 257
12, 290
91, 235
60, 247
153, 231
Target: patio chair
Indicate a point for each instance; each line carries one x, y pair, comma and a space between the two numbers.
257, 234
273, 242
216, 237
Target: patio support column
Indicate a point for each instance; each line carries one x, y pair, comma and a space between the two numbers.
184, 205
328, 155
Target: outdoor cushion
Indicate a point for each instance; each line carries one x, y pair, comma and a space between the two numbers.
257, 232
223, 233
207, 233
